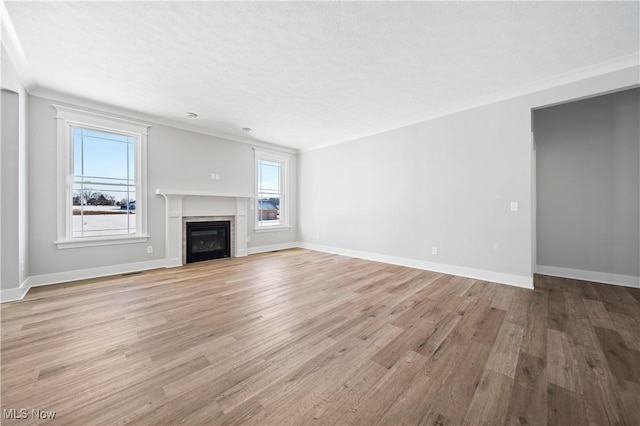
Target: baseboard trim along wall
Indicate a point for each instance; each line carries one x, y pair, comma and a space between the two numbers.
578, 274
14, 294
478, 274
272, 247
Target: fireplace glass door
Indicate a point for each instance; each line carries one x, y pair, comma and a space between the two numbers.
208, 240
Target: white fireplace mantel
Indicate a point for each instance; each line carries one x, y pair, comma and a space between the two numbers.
175, 211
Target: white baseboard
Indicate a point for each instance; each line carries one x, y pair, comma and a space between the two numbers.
84, 274
173, 263
13, 294
579, 274
273, 247
81, 274
478, 274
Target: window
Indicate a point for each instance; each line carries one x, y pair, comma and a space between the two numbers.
272, 173
101, 179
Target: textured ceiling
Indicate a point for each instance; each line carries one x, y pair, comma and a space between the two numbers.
304, 74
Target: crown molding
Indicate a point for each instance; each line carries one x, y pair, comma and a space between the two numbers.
618, 64
98, 107
13, 46
65, 112
11, 42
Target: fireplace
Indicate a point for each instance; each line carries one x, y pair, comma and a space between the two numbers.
208, 240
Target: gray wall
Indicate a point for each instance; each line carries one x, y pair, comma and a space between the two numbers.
13, 166
9, 232
446, 182
177, 159
588, 184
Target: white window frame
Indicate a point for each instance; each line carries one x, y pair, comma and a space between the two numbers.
72, 117
284, 160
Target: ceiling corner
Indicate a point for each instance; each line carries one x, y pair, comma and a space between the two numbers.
11, 43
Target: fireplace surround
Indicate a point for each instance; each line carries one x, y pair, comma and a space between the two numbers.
187, 205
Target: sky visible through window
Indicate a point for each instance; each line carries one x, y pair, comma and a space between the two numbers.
269, 178
103, 163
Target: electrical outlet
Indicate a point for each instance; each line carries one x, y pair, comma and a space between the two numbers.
514, 206
317, 236
213, 176
434, 250
149, 249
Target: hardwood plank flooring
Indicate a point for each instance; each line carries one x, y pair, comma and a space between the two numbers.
301, 337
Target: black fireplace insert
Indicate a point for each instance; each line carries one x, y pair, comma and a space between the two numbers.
208, 240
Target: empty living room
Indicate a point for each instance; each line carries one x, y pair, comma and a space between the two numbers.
320, 213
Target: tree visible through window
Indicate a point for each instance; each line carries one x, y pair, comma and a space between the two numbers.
104, 187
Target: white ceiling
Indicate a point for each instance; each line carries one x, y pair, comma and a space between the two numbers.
305, 74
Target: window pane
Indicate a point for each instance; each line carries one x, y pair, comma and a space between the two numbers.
103, 192
269, 210
269, 176
269, 192
102, 154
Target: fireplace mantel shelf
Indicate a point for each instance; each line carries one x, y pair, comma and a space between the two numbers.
190, 193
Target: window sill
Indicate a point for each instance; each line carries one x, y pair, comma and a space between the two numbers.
104, 241
272, 229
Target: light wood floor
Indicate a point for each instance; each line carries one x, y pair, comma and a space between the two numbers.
300, 337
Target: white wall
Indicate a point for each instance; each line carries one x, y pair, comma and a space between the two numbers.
447, 182
177, 159
588, 156
14, 229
